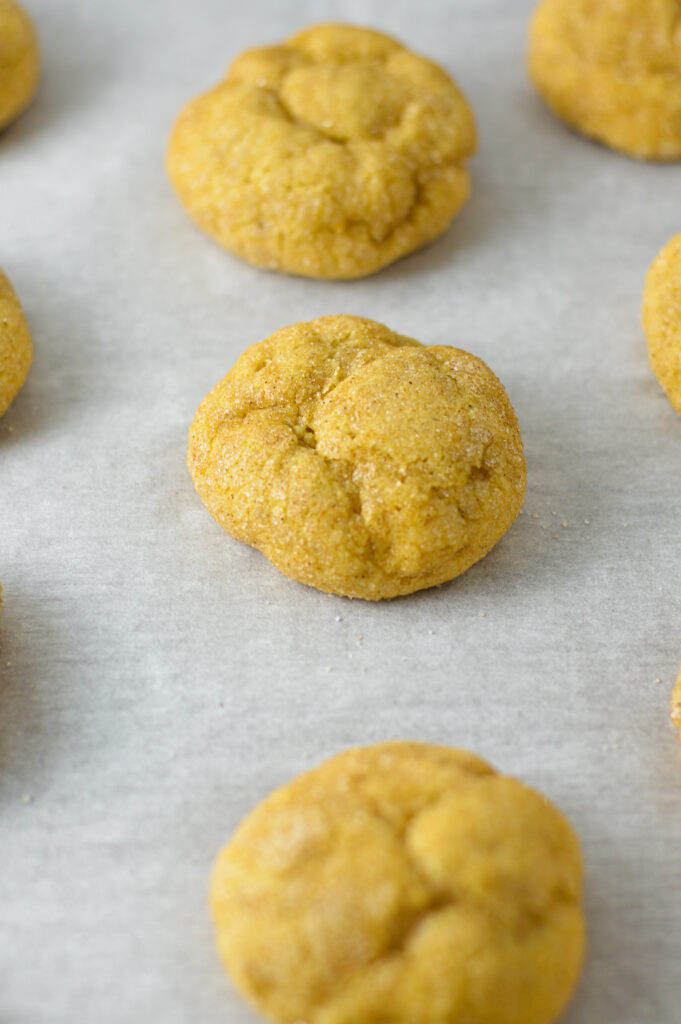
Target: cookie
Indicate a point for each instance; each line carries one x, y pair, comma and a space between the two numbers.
612, 70
329, 156
662, 319
16, 350
675, 709
19, 61
359, 461
399, 883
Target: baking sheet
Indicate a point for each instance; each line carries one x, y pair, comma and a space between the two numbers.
158, 678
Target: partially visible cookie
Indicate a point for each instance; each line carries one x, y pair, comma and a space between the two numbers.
612, 70
19, 61
16, 349
675, 709
359, 461
328, 156
662, 319
402, 883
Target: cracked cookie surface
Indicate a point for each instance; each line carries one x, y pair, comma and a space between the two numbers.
357, 460
399, 884
329, 156
612, 70
662, 319
16, 349
19, 61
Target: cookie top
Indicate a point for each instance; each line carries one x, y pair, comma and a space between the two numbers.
662, 319
357, 460
19, 61
612, 70
16, 350
402, 882
329, 156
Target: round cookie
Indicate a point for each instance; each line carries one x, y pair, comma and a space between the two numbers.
675, 709
612, 70
359, 461
662, 319
329, 156
402, 882
19, 61
16, 350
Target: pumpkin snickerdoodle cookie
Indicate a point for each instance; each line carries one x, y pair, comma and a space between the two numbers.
402, 882
612, 70
675, 709
16, 349
357, 460
19, 61
662, 319
328, 156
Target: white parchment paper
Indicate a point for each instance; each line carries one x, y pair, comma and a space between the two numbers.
157, 678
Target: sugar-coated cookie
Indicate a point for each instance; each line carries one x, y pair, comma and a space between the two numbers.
16, 349
399, 883
612, 70
19, 61
662, 319
357, 460
329, 156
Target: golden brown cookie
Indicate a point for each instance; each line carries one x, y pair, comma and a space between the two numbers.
19, 61
360, 462
612, 70
402, 883
675, 709
329, 156
16, 350
662, 319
